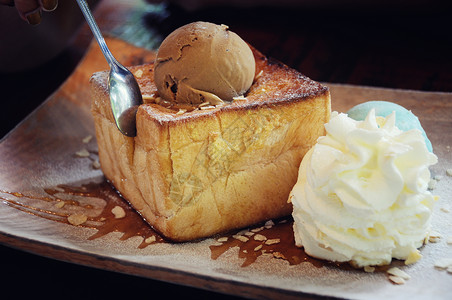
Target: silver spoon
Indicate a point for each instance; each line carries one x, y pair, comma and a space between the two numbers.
125, 94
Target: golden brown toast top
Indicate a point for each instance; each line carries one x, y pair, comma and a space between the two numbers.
274, 83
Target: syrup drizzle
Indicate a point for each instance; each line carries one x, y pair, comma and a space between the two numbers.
131, 225
252, 248
102, 219
98, 199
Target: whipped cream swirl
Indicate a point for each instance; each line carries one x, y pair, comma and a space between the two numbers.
362, 192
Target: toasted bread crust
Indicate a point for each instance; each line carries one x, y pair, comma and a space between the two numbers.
202, 172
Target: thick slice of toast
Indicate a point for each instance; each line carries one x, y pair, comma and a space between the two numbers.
193, 174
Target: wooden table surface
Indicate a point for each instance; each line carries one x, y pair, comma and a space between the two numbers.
398, 47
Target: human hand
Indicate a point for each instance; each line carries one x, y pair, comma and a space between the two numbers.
31, 10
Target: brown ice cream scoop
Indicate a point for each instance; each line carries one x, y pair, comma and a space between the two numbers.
203, 62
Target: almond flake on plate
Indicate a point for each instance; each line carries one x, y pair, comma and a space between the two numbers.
60, 204
242, 232
77, 219
150, 239
278, 255
369, 269
396, 279
434, 237
443, 263
399, 273
96, 165
272, 241
269, 224
445, 209
119, 212
241, 238
82, 153
258, 248
87, 139
257, 229
260, 237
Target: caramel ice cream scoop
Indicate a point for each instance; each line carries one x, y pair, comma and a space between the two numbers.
203, 62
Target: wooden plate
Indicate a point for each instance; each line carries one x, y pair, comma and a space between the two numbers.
48, 173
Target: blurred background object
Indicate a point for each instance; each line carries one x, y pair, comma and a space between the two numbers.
192, 5
390, 44
23, 46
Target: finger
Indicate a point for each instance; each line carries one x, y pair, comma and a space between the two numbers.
29, 10
48, 5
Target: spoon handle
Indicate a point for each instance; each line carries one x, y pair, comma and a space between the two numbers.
96, 32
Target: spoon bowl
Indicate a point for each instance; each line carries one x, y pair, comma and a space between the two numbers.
125, 97
125, 94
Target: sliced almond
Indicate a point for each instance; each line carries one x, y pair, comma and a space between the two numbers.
96, 165
257, 229
60, 204
150, 239
399, 273
260, 237
241, 238
443, 263
77, 219
278, 255
396, 279
258, 248
272, 241
269, 224
82, 153
449, 240
87, 139
369, 269
118, 212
